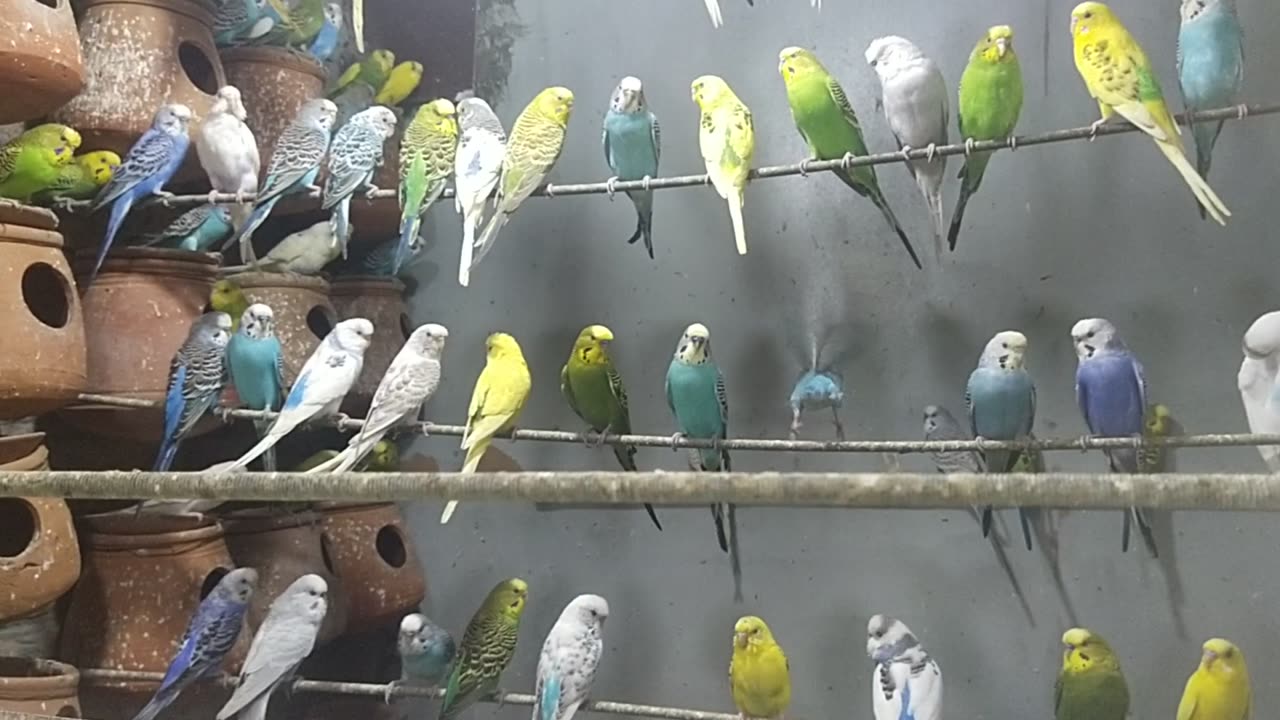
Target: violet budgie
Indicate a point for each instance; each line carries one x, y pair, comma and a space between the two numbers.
570, 656
1210, 68
907, 683
354, 157
330, 35
196, 377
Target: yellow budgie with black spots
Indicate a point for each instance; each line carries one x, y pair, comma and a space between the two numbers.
759, 674
727, 138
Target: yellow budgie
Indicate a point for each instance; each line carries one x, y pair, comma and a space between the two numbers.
727, 139
1219, 688
759, 673
496, 402
401, 82
1120, 78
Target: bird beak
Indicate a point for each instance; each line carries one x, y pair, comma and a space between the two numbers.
1209, 656
1074, 20
1002, 47
740, 639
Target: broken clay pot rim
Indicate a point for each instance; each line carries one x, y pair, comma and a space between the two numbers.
49, 679
275, 56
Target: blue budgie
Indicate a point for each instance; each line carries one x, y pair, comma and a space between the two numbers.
378, 259
815, 390
907, 683
569, 659
200, 229
426, 653
477, 166
255, 359
354, 158
150, 163
632, 146
1210, 67
212, 632
196, 377
1111, 390
326, 41
697, 397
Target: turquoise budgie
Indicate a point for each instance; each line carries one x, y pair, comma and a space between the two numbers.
1210, 67
632, 146
199, 229
255, 359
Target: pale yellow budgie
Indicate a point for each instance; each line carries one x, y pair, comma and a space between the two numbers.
496, 402
1219, 688
1120, 78
727, 139
759, 674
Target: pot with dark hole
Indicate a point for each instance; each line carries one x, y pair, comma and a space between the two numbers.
373, 553
39, 687
39, 57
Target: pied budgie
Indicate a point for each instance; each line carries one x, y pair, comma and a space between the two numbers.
255, 359
914, 97
759, 673
537, 137
727, 140
34, 160
1111, 391
80, 179
240, 20
907, 683
284, 639
354, 157
815, 390
229, 155
826, 121
632, 147
488, 644
1210, 67
1119, 76
210, 634
570, 656
410, 381
477, 166
426, 653
200, 229
330, 35
426, 162
941, 426
322, 383
196, 377
149, 164
1090, 685
401, 82
1258, 383
1219, 688
697, 397
304, 252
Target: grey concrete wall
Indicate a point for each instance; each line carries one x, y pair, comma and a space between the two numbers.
1058, 233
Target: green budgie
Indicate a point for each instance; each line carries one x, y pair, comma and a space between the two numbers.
426, 162
827, 123
371, 72
488, 645
80, 179
990, 102
31, 162
1090, 685
295, 25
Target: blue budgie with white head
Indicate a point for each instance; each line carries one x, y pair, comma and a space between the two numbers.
255, 359
1111, 390
477, 166
210, 634
354, 158
1210, 67
632, 147
426, 653
569, 659
815, 390
330, 35
196, 377
907, 683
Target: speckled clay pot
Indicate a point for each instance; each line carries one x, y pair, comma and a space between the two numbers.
274, 83
39, 687
381, 301
44, 368
39, 57
302, 311
374, 555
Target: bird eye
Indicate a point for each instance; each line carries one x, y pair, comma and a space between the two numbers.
1089, 334
1088, 15
1004, 345
874, 63
879, 633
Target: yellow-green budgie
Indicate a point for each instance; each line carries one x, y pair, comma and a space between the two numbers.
400, 84
727, 139
426, 161
385, 457
759, 674
487, 647
1158, 422
1090, 685
81, 178
500, 394
31, 162
227, 297
1120, 78
371, 71
1219, 688
532, 150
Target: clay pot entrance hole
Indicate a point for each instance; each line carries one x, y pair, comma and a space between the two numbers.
17, 532
55, 4
198, 67
319, 321
211, 581
67, 711
46, 294
406, 326
390, 546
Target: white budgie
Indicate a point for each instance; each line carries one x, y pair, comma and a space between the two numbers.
229, 155
482, 143
1259, 374
569, 659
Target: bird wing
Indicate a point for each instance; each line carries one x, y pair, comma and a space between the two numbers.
567, 390
355, 154
1120, 76
1187, 706
146, 157
722, 398
655, 135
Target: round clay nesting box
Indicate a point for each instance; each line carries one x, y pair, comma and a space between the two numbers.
39, 687
39, 57
374, 555
381, 301
274, 83
45, 367
137, 314
302, 310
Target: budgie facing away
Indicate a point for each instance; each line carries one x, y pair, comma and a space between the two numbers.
401, 82
727, 140
255, 359
80, 179
759, 673
1090, 685
33, 161
488, 644
569, 659
1210, 68
196, 377
1219, 688
632, 147
354, 157
907, 682
200, 229
426, 653
426, 161
476, 169
814, 390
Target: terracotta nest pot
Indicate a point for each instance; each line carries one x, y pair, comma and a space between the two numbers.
45, 368
39, 57
39, 687
381, 301
137, 314
302, 310
374, 555
274, 83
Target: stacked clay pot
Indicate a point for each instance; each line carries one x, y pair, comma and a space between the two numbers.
373, 553
39, 58
381, 301
274, 83
303, 313
39, 687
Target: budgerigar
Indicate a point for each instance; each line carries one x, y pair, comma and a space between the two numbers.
941, 426
377, 259
1258, 383
196, 377
426, 653
255, 359
532, 150
632, 147
914, 97
330, 35
488, 644
476, 168
826, 121
570, 656
1210, 68
227, 297
284, 639
322, 383
229, 155
384, 458
496, 402
990, 102
371, 72
33, 161
1119, 76
426, 161
354, 158
727, 140
401, 82
305, 252
409, 382
1219, 688
907, 682
717, 17
240, 20
1111, 392
759, 673
815, 390
297, 22
697, 397
81, 178
200, 229
593, 388
210, 634
1159, 423
1090, 685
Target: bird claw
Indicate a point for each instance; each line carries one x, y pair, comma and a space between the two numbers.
1093, 128
968, 146
846, 162
240, 196
905, 152
931, 151
368, 194
500, 697
224, 414
644, 182
1242, 111
550, 190
675, 439
64, 204
609, 186
513, 435
1013, 143
213, 196
980, 442
804, 167
1084, 442
389, 690
166, 198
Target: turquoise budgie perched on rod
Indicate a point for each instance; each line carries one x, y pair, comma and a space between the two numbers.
632, 147
255, 359
199, 229
1210, 67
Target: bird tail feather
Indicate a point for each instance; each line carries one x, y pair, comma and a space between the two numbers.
1144, 526
488, 237
1208, 199
245, 231
957, 217
643, 200
931, 186
1024, 517
118, 212
713, 9
468, 247
263, 445
735, 557
408, 231
155, 705
735, 214
878, 198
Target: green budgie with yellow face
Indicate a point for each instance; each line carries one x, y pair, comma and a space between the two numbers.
488, 645
31, 162
1157, 423
1090, 685
426, 162
727, 138
372, 72
80, 179
990, 102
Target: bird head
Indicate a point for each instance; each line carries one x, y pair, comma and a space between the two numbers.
888, 638
1159, 419
258, 321
1084, 650
215, 326
1090, 16
1192, 9
172, 119
1007, 351
508, 597
934, 417
352, 335
385, 457
590, 610
708, 90
333, 14
1221, 657
555, 104
796, 61
1263, 336
412, 640
99, 165
238, 585
695, 345
429, 339
501, 345
229, 101
997, 45
318, 112
379, 117
383, 59
751, 631
592, 345
1092, 336
310, 592
226, 295
628, 97
889, 54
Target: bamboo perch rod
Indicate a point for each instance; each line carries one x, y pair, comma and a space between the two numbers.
1079, 444
1236, 112
1167, 491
